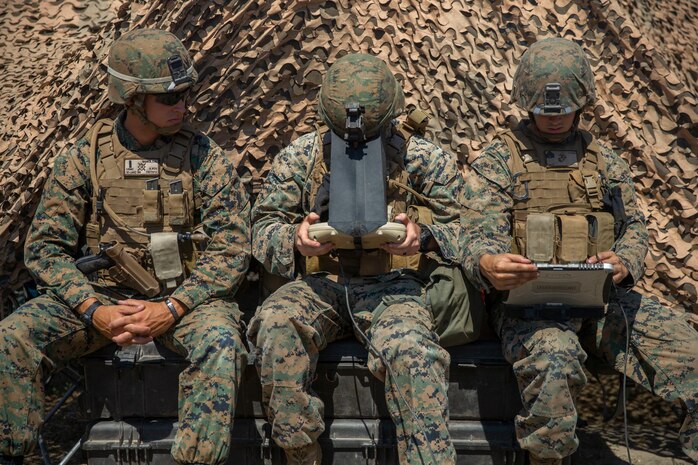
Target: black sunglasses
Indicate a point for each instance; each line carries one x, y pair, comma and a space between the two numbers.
172, 98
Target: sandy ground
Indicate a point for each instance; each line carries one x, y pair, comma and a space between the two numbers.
653, 426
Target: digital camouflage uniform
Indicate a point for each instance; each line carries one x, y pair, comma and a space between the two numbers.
548, 356
296, 322
45, 332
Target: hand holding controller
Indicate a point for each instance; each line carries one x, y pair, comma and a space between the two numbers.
323, 233
389, 232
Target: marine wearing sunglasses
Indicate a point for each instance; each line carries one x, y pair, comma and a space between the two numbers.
173, 98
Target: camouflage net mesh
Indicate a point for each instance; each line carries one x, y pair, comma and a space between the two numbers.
261, 63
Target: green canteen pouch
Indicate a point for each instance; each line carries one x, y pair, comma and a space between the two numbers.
164, 250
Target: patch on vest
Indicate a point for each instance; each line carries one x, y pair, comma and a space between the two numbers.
560, 157
136, 167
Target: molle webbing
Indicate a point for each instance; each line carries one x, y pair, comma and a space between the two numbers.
558, 207
127, 208
552, 187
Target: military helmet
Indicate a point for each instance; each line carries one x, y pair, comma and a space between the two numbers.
148, 61
361, 81
553, 77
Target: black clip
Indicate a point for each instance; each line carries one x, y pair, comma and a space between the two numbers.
178, 71
552, 98
176, 186
355, 123
100, 201
152, 184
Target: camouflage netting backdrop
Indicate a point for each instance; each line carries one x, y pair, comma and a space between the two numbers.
260, 64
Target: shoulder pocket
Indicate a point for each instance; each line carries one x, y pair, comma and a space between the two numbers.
493, 171
68, 172
214, 170
282, 170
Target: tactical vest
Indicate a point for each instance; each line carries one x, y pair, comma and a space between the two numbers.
137, 194
557, 213
401, 198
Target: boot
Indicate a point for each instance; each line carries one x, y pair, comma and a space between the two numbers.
306, 455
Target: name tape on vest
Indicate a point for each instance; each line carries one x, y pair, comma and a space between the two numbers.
141, 168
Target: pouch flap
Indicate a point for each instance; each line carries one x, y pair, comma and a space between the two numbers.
572, 242
540, 237
164, 250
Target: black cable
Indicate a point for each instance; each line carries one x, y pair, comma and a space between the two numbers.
371, 348
628, 329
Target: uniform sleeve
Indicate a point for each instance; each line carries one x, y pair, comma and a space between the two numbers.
486, 222
279, 208
53, 238
438, 179
225, 217
631, 247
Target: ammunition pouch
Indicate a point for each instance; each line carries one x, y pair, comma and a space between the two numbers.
142, 200
601, 232
557, 207
540, 237
562, 237
571, 244
364, 263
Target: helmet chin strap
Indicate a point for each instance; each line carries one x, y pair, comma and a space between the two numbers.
136, 105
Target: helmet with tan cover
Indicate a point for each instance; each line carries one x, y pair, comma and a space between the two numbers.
361, 81
148, 61
553, 77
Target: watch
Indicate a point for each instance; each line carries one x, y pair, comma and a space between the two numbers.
425, 237
86, 316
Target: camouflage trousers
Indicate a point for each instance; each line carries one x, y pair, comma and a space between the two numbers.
296, 322
548, 359
44, 334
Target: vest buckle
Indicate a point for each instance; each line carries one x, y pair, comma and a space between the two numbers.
591, 187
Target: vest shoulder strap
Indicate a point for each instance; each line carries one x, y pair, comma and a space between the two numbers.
516, 142
100, 140
99, 136
415, 123
592, 147
177, 157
